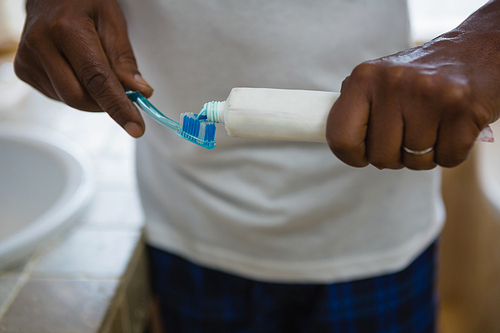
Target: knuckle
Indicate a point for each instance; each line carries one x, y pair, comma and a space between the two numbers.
83, 105
385, 162
60, 25
62, 19
348, 152
382, 163
454, 156
396, 75
379, 159
365, 71
123, 64
78, 99
481, 115
342, 147
449, 162
33, 39
124, 58
114, 110
65, 26
117, 112
457, 94
65, 29
379, 164
93, 79
427, 85
344, 84
26, 73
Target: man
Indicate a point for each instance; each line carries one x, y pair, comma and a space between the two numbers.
260, 236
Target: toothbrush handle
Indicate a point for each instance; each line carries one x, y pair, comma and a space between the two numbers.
151, 110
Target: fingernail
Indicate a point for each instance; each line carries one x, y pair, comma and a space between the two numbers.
138, 78
133, 129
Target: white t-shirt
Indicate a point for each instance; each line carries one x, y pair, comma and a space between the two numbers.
269, 210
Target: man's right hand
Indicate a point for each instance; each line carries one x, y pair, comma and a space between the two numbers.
78, 52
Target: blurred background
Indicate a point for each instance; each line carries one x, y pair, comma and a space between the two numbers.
11, 23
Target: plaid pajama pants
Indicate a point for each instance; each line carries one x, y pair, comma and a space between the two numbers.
197, 299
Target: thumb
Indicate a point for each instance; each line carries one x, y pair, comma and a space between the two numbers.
127, 73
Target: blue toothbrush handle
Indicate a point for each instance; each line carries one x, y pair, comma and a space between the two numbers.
151, 110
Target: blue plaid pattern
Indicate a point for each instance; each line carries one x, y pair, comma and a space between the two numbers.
195, 299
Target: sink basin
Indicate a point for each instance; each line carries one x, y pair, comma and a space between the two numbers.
46, 182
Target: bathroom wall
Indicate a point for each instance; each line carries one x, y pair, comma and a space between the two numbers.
11, 23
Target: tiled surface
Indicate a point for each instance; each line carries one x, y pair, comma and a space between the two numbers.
7, 285
115, 209
95, 278
89, 253
9, 278
13, 271
59, 306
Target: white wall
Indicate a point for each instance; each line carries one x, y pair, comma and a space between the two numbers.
433, 17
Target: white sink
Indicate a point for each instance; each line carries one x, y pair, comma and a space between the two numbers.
46, 182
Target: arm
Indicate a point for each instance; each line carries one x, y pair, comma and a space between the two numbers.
440, 94
78, 52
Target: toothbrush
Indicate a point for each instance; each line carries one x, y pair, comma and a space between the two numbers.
192, 127
257, 113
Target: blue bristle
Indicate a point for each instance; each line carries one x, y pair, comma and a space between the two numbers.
210, 132
191, 126
191, 129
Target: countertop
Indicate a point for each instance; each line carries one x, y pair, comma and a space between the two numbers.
95, 278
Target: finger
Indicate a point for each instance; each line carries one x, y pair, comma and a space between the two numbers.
462, 122
346, 129
385, 133
114, 38
456, 139
31, 72
420, 136
421, 118
64, 82
88, 59
348, 121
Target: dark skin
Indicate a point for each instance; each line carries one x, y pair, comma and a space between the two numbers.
440, 94
78, 52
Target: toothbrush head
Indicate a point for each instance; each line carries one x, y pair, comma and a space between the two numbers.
192, 127
197, 129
